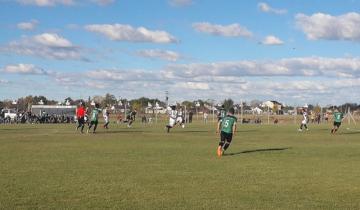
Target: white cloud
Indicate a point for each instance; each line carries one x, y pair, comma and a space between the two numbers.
159, 54
103, 2
264, 7
192, 85
328, 27
303, 66
232, 30
47, 45
46, 3
2, 81
272, 40
180, 3
23, 69
120, 32
28, 25
290, 80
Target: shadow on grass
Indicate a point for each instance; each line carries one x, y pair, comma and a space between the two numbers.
349, 133
257, 150
121, 131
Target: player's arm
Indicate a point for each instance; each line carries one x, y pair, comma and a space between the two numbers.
234, 129
218, 127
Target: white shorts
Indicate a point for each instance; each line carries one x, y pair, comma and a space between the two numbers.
106, 118
303, 122
179, 120
172, 122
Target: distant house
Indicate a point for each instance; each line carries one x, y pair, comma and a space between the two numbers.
272, 104
257, 110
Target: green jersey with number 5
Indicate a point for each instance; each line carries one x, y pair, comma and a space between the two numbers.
227, 124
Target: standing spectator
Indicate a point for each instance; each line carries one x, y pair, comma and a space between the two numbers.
205, 117
190, 116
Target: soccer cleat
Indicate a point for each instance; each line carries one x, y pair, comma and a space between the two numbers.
219, 151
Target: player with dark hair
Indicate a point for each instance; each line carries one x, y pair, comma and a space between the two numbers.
227, 129
106, 115
131, 118
94, 118
305, 120
222, 113
80, 114
338, 117
172, 117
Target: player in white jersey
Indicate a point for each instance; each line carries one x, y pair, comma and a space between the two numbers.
180, 118
305, 120
172, 117
106, 115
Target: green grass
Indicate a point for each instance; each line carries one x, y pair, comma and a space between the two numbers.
266, 167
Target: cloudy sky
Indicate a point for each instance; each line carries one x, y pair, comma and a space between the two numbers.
292, 51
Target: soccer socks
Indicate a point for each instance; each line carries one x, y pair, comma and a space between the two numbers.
227, 144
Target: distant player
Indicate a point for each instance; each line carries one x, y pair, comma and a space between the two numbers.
180, 119
94, 119
172, 117
338, 117
106, 115
80, 114
222, 113
131, 118
227, 129
305, 120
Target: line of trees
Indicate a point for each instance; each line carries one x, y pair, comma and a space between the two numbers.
24, 103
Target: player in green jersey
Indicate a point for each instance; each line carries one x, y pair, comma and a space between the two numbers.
227, 129
221, 113
94, 118
338, 116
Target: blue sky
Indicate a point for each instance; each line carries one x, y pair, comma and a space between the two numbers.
292, 51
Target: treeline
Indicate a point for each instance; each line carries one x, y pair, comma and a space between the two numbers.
24, 103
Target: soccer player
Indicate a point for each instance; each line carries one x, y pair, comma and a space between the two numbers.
80, 114
94, 118
227, 128
172, 117
222, 113
180, 118
305, 120
131, 118
338, 117
106, 115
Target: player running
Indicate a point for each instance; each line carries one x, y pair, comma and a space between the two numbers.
180, 119
222, 113
131, 118
106, 115
338, 117
227, 127
94, 118
80, 114
172, 117
304, 121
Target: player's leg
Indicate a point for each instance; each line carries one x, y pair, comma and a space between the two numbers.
221, 144
90, 125
228, 141
171, 124
95, 126
336, 127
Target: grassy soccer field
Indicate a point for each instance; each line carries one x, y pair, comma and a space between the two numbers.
266, 167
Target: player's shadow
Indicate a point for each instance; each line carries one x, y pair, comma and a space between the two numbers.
257, 150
